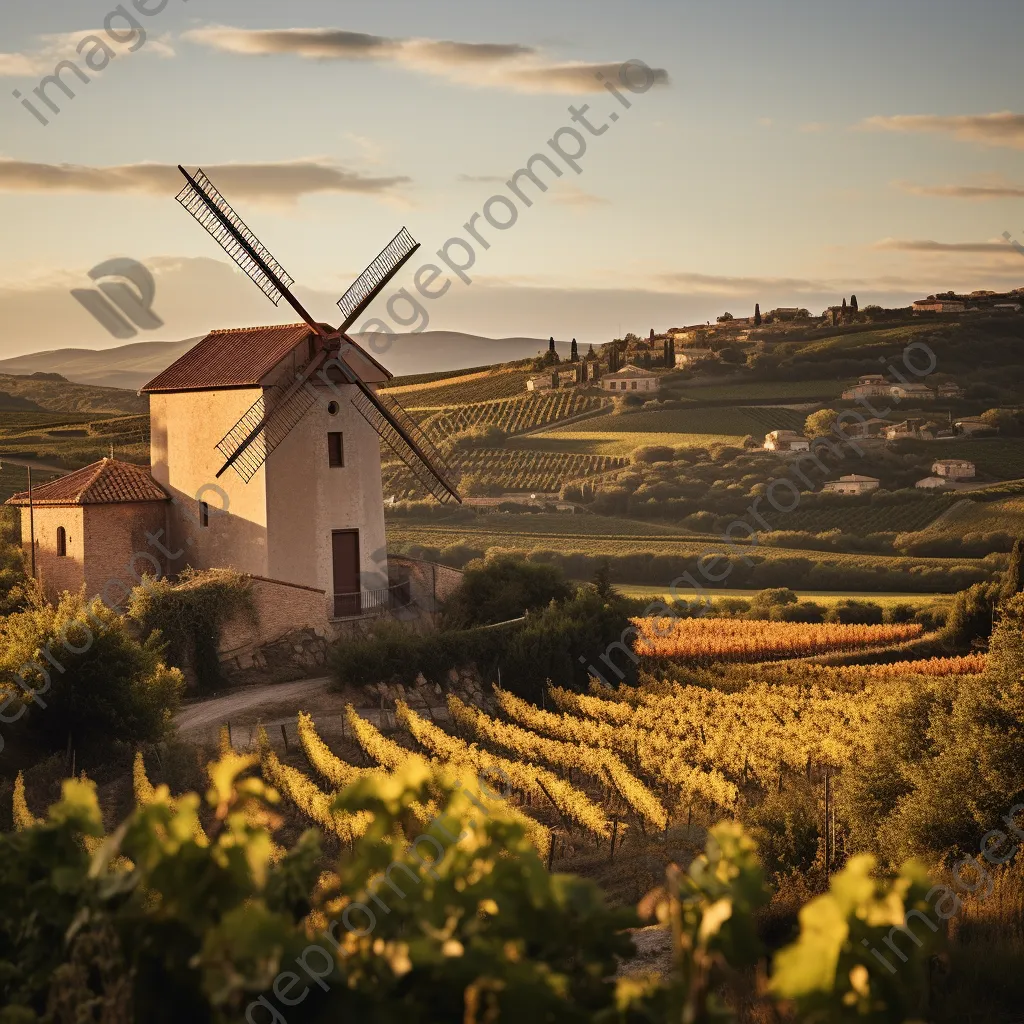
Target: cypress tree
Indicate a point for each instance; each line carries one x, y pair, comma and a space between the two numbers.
574, 354
853, 304
1013, 583
844, 307
757, 314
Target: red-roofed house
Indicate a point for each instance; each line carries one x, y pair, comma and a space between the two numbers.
88, 524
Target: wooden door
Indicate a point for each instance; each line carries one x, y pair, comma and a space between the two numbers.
345, 544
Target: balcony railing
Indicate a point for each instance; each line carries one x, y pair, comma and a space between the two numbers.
364, 603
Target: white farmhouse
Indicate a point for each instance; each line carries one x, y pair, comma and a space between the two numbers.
852, 485
630, 378
954, 469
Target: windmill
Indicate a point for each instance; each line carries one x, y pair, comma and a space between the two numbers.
266, 424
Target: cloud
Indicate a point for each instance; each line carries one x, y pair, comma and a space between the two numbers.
482, 179
926, 245
813, 127
267, 182
963, 191
64, 46
765, 122
1002, 129
496, 65
572, 195
721, 284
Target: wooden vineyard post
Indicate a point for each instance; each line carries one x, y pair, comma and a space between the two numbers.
231, 742
828, 863
551, 852
615, 832
284, 736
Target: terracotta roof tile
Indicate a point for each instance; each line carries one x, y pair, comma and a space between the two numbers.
107, 482
242, 357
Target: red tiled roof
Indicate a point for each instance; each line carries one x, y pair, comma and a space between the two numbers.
107, 482
243, 356
235, 358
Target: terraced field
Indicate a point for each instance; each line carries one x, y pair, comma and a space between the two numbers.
513, 415
871, 518
998, 457
729, 422
510, 470
768, 391
580, 440
985, 517
464, 390
73, 440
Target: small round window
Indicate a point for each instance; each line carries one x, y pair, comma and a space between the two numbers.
332, 408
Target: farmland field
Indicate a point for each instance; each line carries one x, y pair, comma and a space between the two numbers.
822, 597
14, 479
587, 442
513, 415
999, 457
734, 422
457, 391
872, 518
745, 391
554, 524
512, 470
1006, 515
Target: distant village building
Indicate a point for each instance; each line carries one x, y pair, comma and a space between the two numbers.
912, 428
973, 425
873, 385
542, 382
788, 313
954, 469
852, 485
950, 389
630, 378
1008, 307
912, 391
933, 305
866, 429
932, 483
786, 441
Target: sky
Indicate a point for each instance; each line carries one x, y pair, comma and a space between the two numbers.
788, 154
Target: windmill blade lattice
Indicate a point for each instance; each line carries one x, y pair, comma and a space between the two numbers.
368, 285
202, 200
278, 413
385, 415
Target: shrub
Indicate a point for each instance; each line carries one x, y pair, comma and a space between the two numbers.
855, 612
501, 589
93, 679
188, 616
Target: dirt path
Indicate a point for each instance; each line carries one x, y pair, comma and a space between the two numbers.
222, 709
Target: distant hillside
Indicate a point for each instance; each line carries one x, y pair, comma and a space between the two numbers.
52, 392
131, 366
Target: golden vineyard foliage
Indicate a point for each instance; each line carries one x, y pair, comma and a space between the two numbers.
756, 732
525, 777
753, 640
320, 757
394, 756
311, 800
963, 665
146, 793
602, 765
659, 757
23, 817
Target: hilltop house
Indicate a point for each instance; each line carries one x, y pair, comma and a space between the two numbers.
871, 386
954, 469
933, 305
911, 391
852, 485
630, 378
307, 527
950, 389
912, 428
973, 425
786, 441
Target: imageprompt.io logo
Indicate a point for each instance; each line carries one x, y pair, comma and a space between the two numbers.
123, 307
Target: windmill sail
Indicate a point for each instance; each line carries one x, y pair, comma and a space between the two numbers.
408, 441
369, 284
215, 214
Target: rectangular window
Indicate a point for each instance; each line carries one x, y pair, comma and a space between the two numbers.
204, 514
634, 385
335, 449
